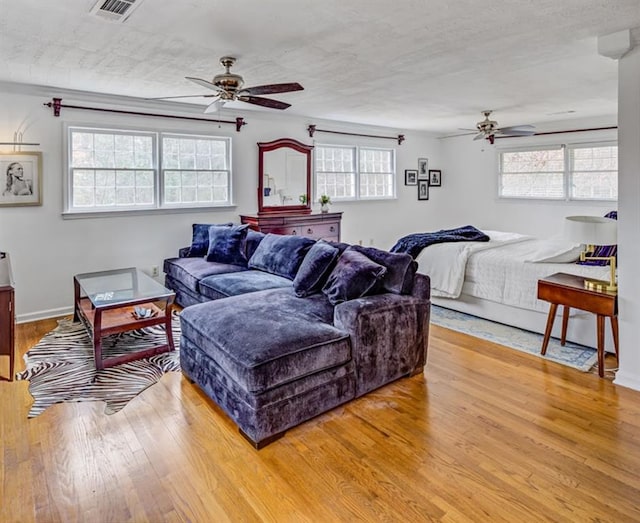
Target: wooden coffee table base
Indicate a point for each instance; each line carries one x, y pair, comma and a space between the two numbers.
104, 322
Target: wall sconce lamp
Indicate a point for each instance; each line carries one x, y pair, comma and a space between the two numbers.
592, 231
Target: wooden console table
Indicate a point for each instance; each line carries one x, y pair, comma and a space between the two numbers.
325, 226
7, 313
569, 291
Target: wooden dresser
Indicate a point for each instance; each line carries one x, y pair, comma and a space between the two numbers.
7, 313
318, 226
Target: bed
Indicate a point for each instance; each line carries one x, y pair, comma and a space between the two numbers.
497, 280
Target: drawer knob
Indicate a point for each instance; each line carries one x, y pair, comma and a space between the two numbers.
294, 232
332, 228
309, 231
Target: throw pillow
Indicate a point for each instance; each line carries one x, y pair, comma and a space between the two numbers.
603, 251
226, 244
253, 240
401, 269
314, 269
200, 238
280, 254
353, 277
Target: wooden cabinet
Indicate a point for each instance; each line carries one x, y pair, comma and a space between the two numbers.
325, 226
7, 313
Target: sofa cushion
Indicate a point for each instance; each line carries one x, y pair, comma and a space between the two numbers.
353, 276
266, 339
314, 269
401, 269
234, 283
251, 243
280, 254
200, 238
227, 244
189, 271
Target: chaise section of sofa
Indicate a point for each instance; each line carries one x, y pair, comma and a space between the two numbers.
298, 328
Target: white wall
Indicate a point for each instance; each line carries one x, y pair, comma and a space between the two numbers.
471, 191
629, 227
47, 250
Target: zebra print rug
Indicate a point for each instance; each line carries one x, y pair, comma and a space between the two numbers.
61, 367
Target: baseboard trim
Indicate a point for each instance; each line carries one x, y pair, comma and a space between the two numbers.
44, 315
630, 381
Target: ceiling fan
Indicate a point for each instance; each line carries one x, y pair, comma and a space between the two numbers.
228, 88
489, 128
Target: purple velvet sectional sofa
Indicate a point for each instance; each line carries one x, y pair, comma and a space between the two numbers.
278, 329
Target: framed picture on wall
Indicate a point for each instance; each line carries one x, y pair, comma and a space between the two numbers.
20, 178
423, 189
410, 177
423, 168
435, 177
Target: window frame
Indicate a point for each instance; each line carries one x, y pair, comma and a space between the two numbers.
160, 206
357, 172
567, 178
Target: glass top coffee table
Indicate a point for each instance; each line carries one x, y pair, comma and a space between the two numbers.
106, 303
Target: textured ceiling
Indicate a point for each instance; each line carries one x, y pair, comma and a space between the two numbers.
410, 64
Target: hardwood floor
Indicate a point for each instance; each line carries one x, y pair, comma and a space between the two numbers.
486, 434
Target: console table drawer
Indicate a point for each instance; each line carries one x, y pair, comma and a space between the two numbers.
317, 232
315, 226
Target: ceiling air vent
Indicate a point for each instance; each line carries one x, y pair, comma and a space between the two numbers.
115, 10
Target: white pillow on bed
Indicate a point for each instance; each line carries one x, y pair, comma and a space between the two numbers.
555, 251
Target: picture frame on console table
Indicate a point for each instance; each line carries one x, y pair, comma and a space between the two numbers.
410, 177
435, 177
20, 179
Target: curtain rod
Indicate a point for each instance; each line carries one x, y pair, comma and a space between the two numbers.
56, 103
312, 129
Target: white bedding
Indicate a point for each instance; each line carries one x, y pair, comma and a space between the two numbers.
496, 270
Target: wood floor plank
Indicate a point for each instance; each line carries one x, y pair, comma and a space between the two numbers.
485, 434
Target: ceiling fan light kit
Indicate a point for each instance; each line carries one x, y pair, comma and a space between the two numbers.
228, 87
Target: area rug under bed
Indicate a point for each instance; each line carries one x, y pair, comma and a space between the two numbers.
571, 354
61, 367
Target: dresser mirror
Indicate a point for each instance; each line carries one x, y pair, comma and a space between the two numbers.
284, 177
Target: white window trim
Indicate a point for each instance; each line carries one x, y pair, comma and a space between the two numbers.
69, 213
566, 146
357, 197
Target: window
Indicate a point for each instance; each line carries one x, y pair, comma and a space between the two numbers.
354, 173
113, 170
594, 172
574, 172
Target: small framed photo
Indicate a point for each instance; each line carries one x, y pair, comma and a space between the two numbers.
423, 168
410, 177
435, 177
20, 179
423, 189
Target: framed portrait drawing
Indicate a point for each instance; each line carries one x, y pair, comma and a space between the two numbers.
423, 168
410, 177
423, 189
435, 177
20, 178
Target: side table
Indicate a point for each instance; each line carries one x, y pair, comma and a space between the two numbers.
7, 313
569, 291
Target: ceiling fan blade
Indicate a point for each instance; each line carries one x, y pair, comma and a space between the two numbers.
265, 102
272, 88
183, 96
518, 128
205, 83
479, 136
214, 106
515, 132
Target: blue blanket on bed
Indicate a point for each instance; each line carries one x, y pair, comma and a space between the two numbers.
414, 243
